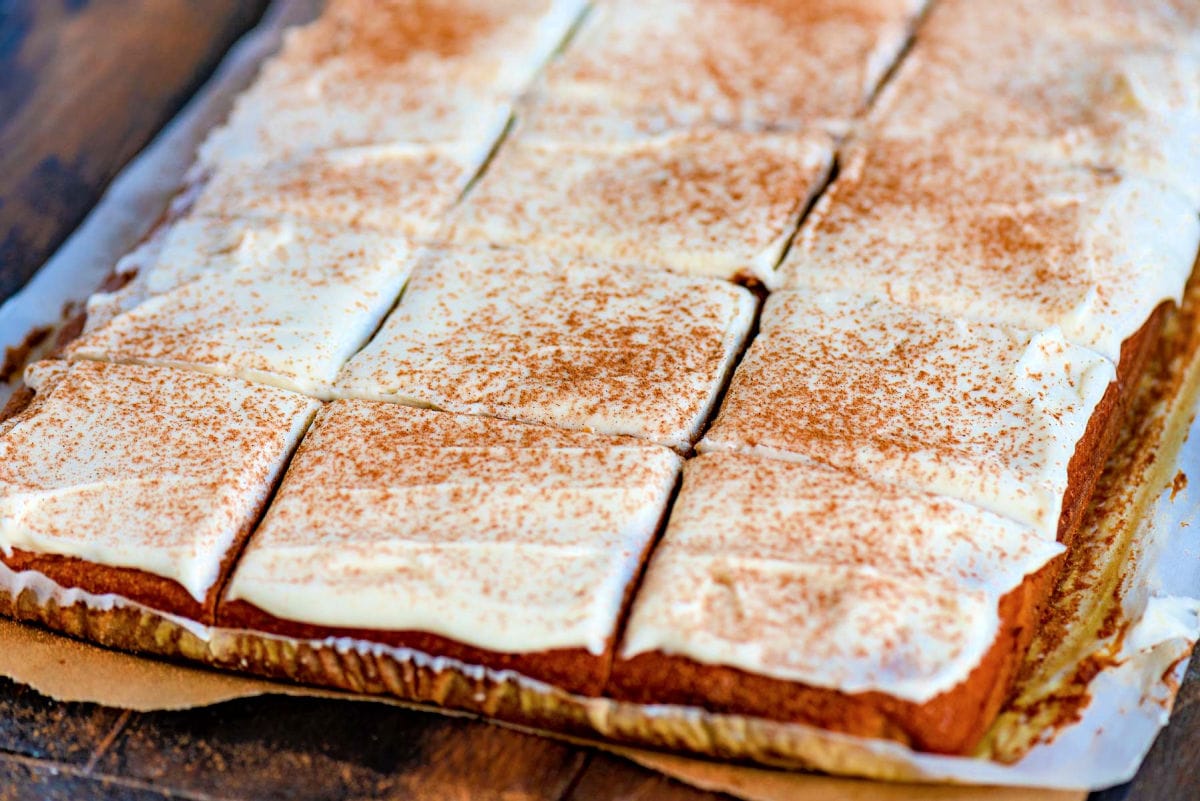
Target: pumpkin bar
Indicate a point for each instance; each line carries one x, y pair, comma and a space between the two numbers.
570, 342
991, 78
705, 202
398, 190
372, 72
488, 542
797, 592
140, 482
276, 301
637, 68
977, 411
998, 237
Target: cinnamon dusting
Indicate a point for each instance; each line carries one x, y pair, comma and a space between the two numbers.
1178, 484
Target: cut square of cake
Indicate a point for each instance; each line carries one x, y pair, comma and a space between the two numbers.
637, 68
990, 414
282, 302
798, 592
716, 203
422, 530
140, 482
502, 43
998, 237
398, 190
568, 342
398, 71
986, 78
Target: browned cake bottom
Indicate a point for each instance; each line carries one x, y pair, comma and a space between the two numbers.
955, 721
126, 627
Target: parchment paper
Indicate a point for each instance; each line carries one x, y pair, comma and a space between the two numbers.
75, 671
1128, 701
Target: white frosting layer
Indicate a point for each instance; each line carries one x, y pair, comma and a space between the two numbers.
142, 467
717, 203
498, 535
399, 71
274, 122
394, 189
808, 574
985, 413
1000, 238
637, 67
280, 302
569, 342
992, 78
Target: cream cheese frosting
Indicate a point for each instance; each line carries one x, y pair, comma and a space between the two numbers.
1000, 238
638, 68
569, 342
399, 71
1167, 23
808, 574
498, 535
716, 203
281, 302
395, 189
985, 413
984, 78
142, 467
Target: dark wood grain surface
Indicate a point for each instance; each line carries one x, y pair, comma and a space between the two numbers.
83, 86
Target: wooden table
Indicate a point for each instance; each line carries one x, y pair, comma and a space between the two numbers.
83, 86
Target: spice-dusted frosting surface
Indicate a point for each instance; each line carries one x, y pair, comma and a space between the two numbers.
718, 203
395, 189
808, 574
564, 341
986, 413
640, 68
142, 467
1000, 238
372, 72
1163, 23
499, 535
282, 302
987, 77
